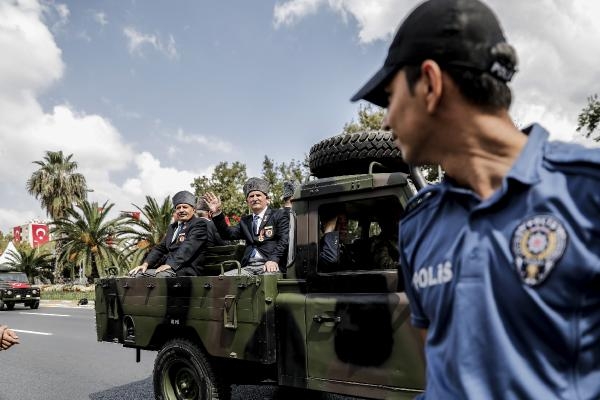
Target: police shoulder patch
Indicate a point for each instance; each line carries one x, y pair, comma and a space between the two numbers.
537, 244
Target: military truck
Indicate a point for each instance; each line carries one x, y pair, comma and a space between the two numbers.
342, 330
15, 288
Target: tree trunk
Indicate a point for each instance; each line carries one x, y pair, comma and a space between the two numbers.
94, 273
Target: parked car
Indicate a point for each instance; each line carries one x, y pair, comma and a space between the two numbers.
15, 288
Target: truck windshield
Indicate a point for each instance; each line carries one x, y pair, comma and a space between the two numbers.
13, 277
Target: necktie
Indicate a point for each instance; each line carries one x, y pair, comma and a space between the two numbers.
255, 224
255, 231
176, 233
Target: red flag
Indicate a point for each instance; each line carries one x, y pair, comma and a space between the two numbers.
17, 233
40, 234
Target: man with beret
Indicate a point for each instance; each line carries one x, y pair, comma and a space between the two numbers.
212, 235
501, 260
266, 231
288, 192
181, 252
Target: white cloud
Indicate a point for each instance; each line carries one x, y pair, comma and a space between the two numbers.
207, 142
137, 40
59, 12
557, 43
158, 180
29, 58
376, 19
290, 12
100, 17
30, 61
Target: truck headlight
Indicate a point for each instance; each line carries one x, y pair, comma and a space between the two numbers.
9, 292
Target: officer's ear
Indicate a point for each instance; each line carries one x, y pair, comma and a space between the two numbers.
432, 76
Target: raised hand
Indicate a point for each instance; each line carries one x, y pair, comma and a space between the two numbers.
213, 201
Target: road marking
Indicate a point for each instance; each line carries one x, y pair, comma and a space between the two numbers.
50, 315
33, 332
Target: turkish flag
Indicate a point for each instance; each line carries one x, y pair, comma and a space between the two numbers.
40, 234
17, 234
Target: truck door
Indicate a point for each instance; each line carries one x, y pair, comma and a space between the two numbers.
358, 328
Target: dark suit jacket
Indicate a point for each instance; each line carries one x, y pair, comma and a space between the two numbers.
274, 230
185, 255
212, 234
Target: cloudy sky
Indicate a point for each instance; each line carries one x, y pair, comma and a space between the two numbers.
147, 95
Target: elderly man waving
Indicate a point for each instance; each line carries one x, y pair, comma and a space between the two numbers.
266, 230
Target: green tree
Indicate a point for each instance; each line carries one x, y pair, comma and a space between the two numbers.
34, 262
56, 184
589, 117
87, 238
4, 239
227, 182
147, 231
276, 174
369, 119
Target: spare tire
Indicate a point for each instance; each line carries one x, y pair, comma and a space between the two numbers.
352, 153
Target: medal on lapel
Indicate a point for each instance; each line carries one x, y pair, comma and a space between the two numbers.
269, 231
261, 235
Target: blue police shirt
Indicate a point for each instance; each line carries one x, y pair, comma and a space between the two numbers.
509, 287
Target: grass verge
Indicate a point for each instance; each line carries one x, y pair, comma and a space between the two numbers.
67, 292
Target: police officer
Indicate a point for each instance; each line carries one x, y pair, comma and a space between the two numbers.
501, 259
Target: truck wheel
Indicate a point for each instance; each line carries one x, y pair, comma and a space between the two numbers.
34, 304
10, 306
183, 372
1, 305
348, 154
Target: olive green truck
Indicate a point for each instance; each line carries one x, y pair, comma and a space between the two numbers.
343, 329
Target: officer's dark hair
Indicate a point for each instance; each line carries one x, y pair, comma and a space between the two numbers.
479, 88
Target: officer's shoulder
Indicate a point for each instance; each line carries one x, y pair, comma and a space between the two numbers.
420, 202
572, 158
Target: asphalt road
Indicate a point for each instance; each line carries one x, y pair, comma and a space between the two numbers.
60, 359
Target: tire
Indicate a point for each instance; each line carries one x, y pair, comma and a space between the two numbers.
349, 154
10, 306
183, 372
34, 305
1, 305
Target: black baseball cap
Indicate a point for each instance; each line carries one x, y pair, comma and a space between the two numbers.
454, 33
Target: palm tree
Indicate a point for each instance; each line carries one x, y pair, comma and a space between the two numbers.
88, 238
148, 231
34, 262
57, 184
58, 187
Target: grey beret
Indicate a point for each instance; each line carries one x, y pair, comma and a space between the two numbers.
253, 184
184, 197
202, 205
288, 189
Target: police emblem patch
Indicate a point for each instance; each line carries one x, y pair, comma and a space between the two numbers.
537, 245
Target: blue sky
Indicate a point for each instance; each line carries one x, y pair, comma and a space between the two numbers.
148, 95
